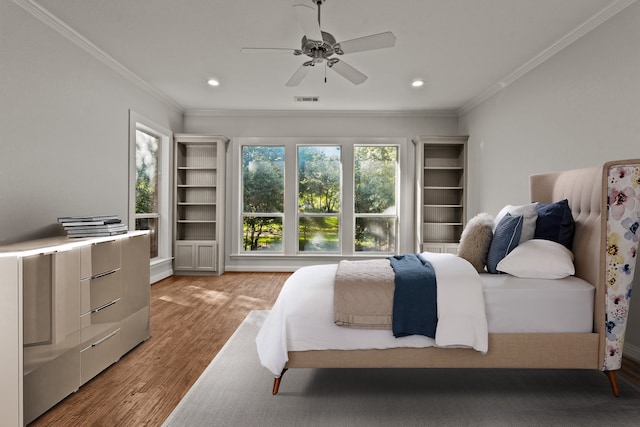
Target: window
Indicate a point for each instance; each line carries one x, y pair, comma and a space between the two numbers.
262, 198
319, 184
147, 153
149, 198
375, 192
312, 196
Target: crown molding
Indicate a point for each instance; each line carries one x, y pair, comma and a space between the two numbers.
56, 24
203, 112
586, 27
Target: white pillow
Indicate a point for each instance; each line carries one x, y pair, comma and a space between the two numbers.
538, 259
529, 215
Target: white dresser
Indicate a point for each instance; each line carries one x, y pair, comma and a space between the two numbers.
69, 308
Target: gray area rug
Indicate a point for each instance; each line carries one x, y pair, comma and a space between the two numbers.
235, 390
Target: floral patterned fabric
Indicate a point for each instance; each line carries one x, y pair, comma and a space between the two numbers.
623, 221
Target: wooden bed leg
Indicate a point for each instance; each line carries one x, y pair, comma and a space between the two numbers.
276, 382
614, 382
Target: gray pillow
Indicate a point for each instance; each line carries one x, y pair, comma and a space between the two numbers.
529, 214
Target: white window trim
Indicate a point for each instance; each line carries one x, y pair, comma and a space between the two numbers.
346, 218
161, 266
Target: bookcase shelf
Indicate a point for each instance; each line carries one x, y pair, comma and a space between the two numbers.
199, 203
441, 192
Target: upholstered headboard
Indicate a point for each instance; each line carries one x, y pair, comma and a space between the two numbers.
605, 203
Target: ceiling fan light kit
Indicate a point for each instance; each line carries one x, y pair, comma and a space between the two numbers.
320, 46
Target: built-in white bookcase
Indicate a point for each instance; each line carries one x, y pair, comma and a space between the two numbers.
440, 192
199, 203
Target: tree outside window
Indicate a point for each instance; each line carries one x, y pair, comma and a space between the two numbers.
262, 198
370, 183
375, 186
147, 162
319, 188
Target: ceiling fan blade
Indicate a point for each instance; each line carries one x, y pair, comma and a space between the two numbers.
298, 76
375, 41
308, 18
348, 72
266, 50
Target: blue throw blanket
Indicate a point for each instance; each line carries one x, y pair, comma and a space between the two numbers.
415, 310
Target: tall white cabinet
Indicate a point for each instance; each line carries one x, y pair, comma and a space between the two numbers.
69, 309
441, 163
199, 203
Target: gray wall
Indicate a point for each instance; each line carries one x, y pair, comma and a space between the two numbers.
578, 109
64, 129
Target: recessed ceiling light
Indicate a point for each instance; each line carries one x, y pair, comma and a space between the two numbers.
213, 82
417, 83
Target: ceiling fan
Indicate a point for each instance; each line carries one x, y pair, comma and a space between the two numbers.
320, 46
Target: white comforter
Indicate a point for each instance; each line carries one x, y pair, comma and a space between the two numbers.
302, 317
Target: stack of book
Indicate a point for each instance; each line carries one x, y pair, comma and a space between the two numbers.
92, 226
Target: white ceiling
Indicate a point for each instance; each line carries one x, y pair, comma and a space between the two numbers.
461, 48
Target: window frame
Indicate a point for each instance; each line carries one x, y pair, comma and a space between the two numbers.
274, 214
290, 215
381, 215
164, 212
311, 215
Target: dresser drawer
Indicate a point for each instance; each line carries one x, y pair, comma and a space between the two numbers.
100, 290
99, 354
105, 257
100, 319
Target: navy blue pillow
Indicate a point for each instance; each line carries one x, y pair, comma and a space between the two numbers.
555, 223
505, 238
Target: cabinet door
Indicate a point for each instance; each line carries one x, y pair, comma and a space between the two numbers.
136, 292
450, 248
10, 356
196, 255
432, 247
185, 257
37, 299
206, 256
52, 369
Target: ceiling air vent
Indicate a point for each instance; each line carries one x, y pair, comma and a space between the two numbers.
306, 98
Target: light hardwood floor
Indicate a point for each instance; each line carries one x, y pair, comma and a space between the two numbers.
191, 319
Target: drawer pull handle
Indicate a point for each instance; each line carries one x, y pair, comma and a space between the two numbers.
106, 273
103, 242
100, 341
102, 307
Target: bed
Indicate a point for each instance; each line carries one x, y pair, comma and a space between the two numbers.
604, 205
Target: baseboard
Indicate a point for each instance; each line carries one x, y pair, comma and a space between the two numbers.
161, 269
631, 351
261, 269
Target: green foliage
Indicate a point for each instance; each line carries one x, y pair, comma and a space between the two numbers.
319, 186
375, 189
319, 234
375, 178
262, 233
145, 192
146, 172
263, 192
263, 178
319, 179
